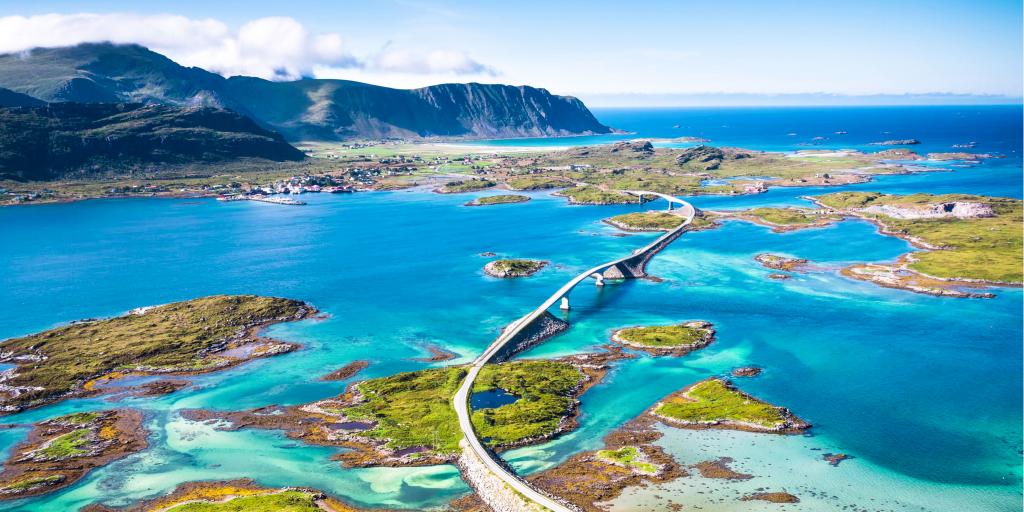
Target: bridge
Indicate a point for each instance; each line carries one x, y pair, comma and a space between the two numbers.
539, 325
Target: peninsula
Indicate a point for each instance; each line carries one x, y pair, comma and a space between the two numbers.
194, 336
966, 241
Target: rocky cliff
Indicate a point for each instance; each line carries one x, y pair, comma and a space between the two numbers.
302, 109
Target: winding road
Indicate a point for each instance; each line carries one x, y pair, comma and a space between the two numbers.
461, 399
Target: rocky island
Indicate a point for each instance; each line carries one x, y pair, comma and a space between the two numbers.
967, 241
716, 403
60, 451
195, 336
676, 340
513, 268
777, 262
236, 496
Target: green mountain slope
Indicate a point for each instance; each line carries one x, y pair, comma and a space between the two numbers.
302, 109
71, 140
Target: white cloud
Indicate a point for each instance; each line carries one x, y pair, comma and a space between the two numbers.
434, 62
273, 47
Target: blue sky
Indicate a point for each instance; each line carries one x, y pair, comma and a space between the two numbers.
595, 49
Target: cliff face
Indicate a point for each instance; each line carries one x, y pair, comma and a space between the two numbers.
302, 109
64, 140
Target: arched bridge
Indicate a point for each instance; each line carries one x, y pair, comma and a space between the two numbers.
539, 325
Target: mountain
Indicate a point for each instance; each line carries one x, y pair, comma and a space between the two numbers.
71, 140
9, 98
302, 109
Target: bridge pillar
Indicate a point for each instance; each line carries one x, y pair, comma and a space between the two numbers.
670, 205
565, 304
598, 279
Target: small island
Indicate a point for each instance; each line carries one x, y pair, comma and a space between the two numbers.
499, 199
630, 457
776, 262
513, 268
771, 497
62, 450
234, 496
676, 340
784, 219
190, 337
716, 403
966, 241
746, 371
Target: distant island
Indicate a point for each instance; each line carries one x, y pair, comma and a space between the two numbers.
513, 267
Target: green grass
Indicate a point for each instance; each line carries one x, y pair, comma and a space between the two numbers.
466, 186
537, 183
286, 501
788, 216
594, 195
67, 445
516, 266
715, 400
166, 337
499, 199
27, 483
545, 389
648, 220
989, 248
78, 418
415, 408
627, 456
681, 335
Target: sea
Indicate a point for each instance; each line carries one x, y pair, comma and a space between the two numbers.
924, 393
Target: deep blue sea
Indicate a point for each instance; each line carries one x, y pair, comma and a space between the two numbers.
925, 392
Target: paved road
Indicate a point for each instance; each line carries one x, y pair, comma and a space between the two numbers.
462, 396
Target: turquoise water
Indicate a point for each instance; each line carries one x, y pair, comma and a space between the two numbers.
925, 392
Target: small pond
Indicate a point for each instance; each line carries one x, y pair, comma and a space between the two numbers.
496, 397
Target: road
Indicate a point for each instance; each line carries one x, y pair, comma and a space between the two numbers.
461, 400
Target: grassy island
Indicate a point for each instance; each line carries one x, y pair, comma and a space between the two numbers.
513, 267
677, 339
499, 199
194, 336
716, 403
472, 185
786, 219
62, 450
627, 456
646, 221
595, 195
408, 418
966, 239
235, 496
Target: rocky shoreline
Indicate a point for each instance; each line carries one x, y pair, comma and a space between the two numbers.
240, 343
326, 423
231, 492
706, 336
504, 269
787, 422
62, 450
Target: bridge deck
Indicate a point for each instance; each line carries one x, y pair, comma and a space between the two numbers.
461, 399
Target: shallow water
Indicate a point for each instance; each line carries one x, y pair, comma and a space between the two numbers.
925, 392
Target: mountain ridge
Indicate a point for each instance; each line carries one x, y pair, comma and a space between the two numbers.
324, 109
